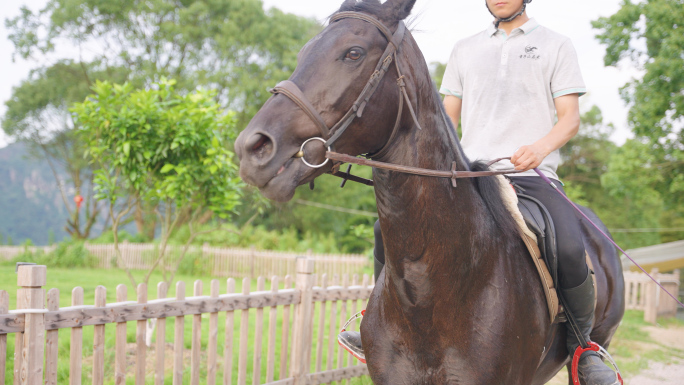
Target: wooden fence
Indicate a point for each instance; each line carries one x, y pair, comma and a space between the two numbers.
221, 261
308, 359
641, 293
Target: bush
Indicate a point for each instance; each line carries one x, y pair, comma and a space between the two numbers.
263, 239
194, 264
65, 255
108, 238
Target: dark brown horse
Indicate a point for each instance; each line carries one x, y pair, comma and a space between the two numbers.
459, 300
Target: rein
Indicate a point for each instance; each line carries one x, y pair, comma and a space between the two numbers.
330, 135
453, 174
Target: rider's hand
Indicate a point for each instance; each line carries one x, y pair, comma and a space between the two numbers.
528, 157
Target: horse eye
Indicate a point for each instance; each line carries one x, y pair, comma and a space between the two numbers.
353, 54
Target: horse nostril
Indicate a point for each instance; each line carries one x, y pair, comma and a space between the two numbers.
260, 143
259, 146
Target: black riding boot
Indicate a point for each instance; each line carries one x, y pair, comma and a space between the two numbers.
580, 301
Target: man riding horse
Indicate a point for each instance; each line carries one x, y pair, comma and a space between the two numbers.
459, 299
517, 62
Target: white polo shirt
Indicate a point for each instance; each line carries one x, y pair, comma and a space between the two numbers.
508, 84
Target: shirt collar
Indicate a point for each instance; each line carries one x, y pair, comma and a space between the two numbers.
526, 28
529, 26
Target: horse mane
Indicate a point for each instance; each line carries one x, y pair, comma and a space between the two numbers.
373, 7
391, 11
489, 189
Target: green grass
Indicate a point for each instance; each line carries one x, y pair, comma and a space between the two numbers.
66, 279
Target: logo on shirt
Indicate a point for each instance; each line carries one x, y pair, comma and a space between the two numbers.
530, 53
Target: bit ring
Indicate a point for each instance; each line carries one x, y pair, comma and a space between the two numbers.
309, 164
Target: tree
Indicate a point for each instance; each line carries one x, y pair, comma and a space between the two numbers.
37, 114
231, 46
585, 158
160, 147
649, 36
593, 169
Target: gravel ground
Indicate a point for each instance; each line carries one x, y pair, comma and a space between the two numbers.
657, 373
660, 374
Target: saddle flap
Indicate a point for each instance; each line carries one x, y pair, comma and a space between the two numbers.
533, 230
539, 221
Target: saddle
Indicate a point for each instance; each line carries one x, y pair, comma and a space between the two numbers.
538, 234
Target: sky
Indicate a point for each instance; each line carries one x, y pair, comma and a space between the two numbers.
437, 25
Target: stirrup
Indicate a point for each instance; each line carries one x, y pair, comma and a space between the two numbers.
352, 319
595, 348
354, 350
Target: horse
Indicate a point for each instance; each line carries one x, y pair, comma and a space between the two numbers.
459, 300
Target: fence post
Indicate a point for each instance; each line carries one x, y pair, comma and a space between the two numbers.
678, 281
651, 305
31, 299
301, 340
252, 257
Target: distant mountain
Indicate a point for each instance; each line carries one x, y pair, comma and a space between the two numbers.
30, 203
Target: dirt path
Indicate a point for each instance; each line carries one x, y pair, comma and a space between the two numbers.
657, 373
660, 374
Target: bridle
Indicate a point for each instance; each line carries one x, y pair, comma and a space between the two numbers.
330, 135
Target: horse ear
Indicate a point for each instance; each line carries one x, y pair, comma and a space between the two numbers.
397, 10
351, 3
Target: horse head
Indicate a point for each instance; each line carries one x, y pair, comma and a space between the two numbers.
326, 97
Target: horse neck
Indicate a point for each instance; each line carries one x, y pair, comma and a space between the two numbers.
429, 227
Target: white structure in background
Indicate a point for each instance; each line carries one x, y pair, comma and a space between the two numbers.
666, 257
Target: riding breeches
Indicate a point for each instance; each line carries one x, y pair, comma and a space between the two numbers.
572, 266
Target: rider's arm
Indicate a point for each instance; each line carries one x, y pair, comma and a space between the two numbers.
452, 105
567, 109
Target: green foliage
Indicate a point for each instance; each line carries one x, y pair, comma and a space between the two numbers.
65, 255
437, 70
263, 239
303, 218
108, 238
649, 168
599, 174
233, 45
161, 146
657, 101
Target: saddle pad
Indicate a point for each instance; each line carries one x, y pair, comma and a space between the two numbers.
530, 240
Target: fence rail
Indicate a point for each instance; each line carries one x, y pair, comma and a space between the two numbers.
641, 293
221, 261
301, 346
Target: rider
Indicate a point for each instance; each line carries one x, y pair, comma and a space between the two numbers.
506, 85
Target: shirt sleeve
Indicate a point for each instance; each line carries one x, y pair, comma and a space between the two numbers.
567, 77
451, 83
